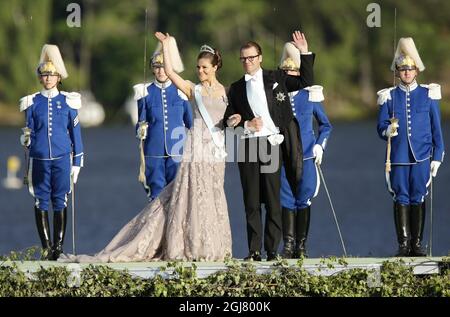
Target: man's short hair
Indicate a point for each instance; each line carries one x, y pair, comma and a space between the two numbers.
250, 44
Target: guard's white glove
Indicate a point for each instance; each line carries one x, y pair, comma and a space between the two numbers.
391, 130
25, 140
141, 133
434, 167
318, 153
74, 173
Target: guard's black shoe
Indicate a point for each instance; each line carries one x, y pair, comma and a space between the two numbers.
417, 249
253, 256
271, 256
404, 249
300, 250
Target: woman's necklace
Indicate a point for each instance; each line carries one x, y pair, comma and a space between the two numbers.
210, 89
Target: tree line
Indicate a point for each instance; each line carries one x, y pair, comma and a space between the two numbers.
106, 53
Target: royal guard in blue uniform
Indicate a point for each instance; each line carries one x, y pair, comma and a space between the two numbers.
409, 120
163, 114
53, 138
306, 106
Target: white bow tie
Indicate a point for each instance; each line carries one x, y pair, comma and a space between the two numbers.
250, 77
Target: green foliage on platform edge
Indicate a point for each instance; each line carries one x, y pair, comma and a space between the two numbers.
240, 279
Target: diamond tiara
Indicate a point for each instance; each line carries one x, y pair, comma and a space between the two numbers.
207, 48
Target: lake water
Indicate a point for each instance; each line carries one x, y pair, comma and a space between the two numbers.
108, 195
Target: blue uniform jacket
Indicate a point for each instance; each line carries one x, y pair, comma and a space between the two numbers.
167, 111
53, 119
419, 133
306, 103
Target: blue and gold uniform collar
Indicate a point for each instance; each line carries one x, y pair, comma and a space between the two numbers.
163, 85
412, 86
50, 93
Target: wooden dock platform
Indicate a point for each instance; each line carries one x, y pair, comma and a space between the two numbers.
317, 266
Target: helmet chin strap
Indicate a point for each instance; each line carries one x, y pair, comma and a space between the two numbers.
405, 84
162, 82
54, 86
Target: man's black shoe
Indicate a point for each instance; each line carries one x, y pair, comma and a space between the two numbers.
253, 256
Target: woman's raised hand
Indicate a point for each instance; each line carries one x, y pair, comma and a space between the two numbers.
162, 37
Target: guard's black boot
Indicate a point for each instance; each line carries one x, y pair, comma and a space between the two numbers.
417, 225
288, 233
44, 232
302, 228
59, 231
402, 225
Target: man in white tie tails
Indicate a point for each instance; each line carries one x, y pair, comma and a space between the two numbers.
261, 98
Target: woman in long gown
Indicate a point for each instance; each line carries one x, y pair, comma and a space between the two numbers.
189, 219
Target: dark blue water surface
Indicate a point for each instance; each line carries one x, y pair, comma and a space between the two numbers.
108, 195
